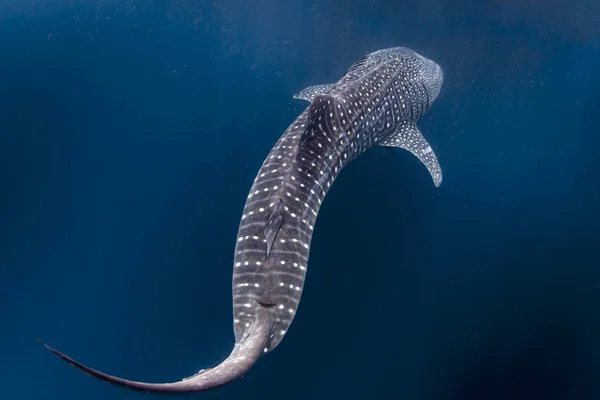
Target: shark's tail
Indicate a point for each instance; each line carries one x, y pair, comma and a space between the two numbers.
243, 356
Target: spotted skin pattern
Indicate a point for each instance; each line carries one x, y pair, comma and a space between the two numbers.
377, 102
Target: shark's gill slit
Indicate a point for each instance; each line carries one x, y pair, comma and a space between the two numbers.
377, 102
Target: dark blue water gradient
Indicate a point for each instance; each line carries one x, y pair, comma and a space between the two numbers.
131, 133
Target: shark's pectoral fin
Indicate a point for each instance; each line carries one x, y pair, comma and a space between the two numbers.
410, 138
310, 92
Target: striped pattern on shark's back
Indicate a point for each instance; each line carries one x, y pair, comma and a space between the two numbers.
377, 102
274, 237
273, 242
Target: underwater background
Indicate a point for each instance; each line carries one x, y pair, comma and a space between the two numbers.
131, 132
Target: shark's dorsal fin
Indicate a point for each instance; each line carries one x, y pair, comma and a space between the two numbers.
274, 224
410, 138
359, 63
310, 92
364, 61
322, 104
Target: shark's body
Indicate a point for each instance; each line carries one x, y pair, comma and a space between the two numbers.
377, 102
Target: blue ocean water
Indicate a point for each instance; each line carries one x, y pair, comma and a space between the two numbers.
131, 131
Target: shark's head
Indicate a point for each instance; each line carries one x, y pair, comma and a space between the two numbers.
432, 77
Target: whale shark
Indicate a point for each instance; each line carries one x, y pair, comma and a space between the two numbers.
376, 103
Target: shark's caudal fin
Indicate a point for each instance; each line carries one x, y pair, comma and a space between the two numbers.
242, 358
410, 138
